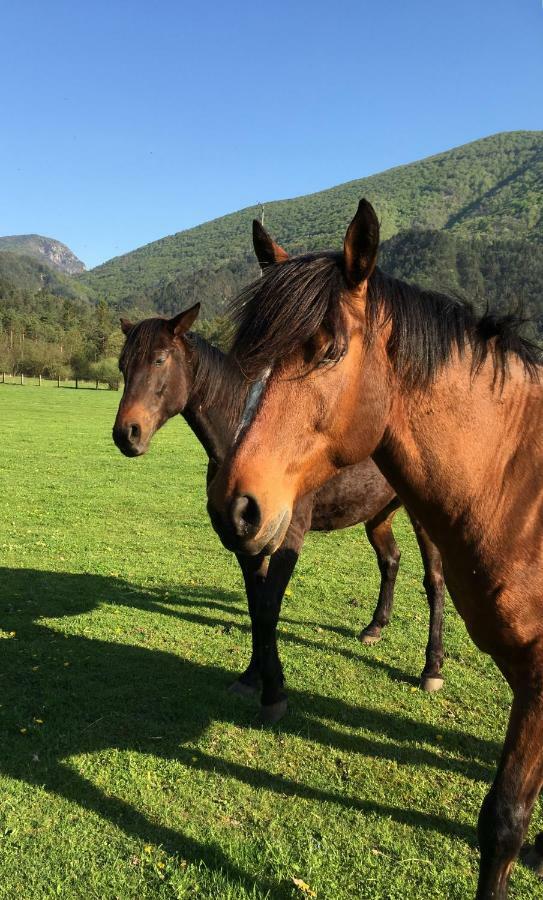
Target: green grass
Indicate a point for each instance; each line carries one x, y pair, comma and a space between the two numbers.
128, 771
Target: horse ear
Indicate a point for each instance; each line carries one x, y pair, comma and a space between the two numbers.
361, 244
267, 251
126, 326
182, 322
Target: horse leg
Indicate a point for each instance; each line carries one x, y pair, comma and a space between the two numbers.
434, 585
507, 808
282, 563
381, 538
532, 857
254, 569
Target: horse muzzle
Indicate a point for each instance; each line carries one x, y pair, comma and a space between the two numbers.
242, 530
129, 439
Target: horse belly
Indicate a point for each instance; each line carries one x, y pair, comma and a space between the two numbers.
356, 494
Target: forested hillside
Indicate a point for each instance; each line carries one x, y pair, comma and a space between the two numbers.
490, 189
51, 325
468, 221
30, 275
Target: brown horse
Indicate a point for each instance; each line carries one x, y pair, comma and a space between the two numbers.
450, 407
169, 371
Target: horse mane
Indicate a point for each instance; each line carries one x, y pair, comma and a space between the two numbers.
217, 380
283, 310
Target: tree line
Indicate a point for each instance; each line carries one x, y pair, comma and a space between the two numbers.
50, 327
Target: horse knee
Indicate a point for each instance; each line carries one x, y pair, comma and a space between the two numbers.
501, 827
434, 585
391, 563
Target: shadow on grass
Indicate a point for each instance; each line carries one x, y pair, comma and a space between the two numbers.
94, 695
210, 599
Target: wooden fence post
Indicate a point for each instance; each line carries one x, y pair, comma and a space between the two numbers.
96, 384
22, 378
39, 380
58, 380
77, 383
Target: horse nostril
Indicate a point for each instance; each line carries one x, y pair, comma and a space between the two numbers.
246, 515
134, 432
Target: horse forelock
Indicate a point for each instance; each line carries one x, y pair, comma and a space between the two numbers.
140, 341
285, 308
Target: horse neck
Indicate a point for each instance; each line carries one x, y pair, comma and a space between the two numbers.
448, 449
213, 422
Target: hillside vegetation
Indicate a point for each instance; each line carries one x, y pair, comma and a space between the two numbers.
29, 275
468, 221
51, 325
488, 190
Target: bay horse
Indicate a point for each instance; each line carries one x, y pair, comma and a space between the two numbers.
169, 370
450, 407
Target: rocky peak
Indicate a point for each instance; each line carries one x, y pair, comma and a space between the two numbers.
45, 249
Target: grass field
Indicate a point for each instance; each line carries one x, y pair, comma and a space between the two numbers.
128, 771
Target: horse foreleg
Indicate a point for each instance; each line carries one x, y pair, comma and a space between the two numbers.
254, 570
381, 538
273, 698
282, 563
507, 808
434, 585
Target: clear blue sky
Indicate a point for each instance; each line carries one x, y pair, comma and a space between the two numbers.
122, 122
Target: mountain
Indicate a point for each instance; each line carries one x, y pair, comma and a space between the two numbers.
468, 221
47, 250
477, 195
24, 274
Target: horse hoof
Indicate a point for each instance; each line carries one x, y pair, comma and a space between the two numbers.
242, 689
431, 683
271, 714
532, 860
367, 638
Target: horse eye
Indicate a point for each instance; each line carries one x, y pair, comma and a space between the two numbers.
324, 362
330, 360
160, 360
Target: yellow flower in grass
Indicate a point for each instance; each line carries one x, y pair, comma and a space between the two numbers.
304, 887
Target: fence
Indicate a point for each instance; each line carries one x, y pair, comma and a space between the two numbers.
39, 380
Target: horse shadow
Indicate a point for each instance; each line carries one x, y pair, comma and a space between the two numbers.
77, 694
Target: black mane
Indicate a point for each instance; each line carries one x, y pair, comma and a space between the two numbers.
217, 379
283, 310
